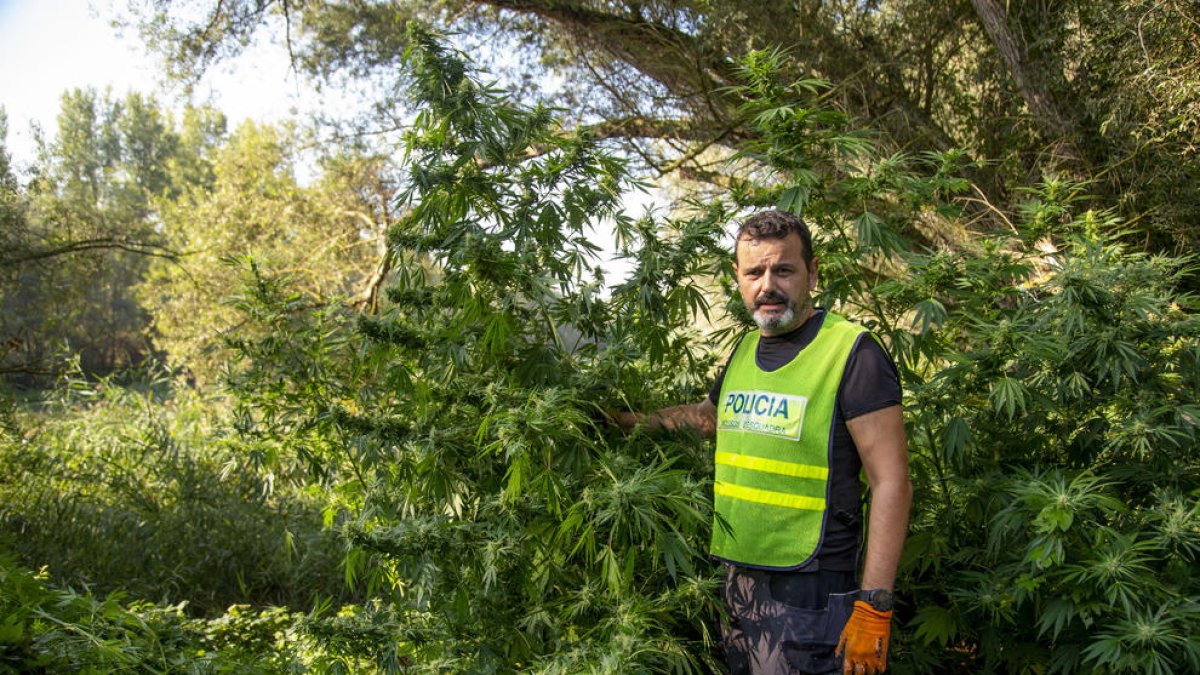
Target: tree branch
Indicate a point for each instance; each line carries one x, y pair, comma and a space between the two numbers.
101, 243
645, 127
697, 73
669, 56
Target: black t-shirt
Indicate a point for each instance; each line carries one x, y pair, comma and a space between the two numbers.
870, 382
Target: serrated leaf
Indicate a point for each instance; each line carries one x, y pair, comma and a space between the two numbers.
935, 625
930, 314
1056, 614
955, 438
1007, 396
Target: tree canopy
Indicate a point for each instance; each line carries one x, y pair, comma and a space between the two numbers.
1105, 92
127, 234
82, 231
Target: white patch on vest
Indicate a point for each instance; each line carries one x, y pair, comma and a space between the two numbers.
762, 412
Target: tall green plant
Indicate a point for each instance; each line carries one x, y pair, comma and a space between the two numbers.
1057, 443
510, 529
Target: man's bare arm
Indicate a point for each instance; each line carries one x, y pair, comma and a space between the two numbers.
700, 417
879, 436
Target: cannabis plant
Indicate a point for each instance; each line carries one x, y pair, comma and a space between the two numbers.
483, 498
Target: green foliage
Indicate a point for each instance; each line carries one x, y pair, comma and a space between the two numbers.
1053, 445
323, 235
142, 489
47, 629
1051, 409
455, 438
10, 202
113, 250
1103, 91
78, 235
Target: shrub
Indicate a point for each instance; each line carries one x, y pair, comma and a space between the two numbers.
141, 488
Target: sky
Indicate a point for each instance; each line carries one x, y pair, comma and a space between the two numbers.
48, 47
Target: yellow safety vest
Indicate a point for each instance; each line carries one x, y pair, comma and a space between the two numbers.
774, 438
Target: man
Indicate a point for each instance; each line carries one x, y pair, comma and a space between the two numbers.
803, 405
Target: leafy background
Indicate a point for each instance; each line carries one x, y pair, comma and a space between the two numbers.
341, 474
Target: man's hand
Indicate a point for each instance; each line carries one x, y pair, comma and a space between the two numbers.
864, 640
699, 417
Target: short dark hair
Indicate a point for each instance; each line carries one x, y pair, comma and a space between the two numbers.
775, 225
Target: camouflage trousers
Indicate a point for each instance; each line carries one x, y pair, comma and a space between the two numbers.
785, 623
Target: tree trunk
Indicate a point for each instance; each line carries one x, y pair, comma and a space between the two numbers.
1057, 126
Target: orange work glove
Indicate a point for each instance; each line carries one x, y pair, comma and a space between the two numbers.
864, 640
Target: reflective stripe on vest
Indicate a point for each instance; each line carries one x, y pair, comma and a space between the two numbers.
769, 497
774, 433
773, 466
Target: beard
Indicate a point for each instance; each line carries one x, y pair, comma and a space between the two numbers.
775, 323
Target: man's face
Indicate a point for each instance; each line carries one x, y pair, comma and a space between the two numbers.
775, 282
